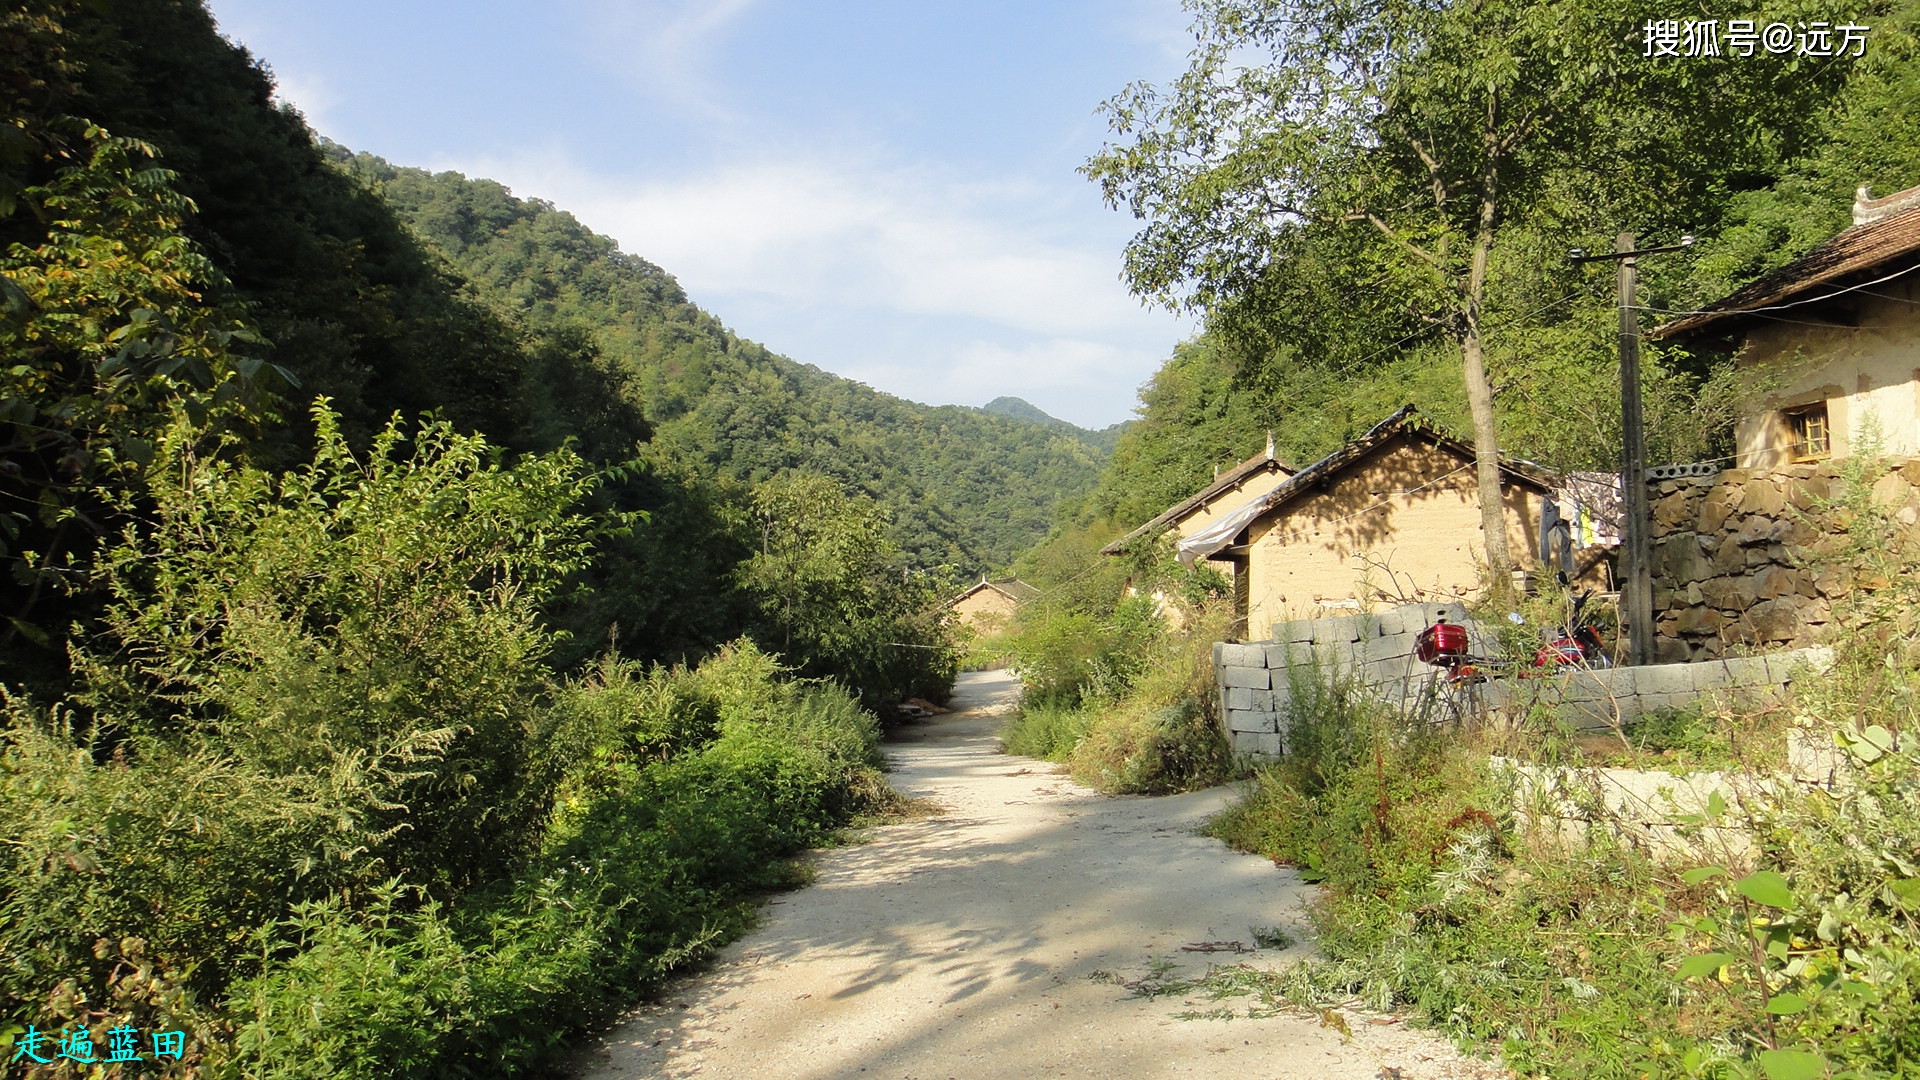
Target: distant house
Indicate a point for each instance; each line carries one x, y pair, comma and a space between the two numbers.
1838, 333
1400, 502
990, 605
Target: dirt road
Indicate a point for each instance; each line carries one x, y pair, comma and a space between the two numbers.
986, 942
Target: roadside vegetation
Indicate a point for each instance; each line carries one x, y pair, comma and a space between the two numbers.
318, 800
1796, 959
379, 699
1117, 675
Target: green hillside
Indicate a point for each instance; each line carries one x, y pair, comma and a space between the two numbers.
968, 487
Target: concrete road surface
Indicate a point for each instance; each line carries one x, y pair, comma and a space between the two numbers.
989, 941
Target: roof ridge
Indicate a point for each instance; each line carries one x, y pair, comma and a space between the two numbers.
1867, 209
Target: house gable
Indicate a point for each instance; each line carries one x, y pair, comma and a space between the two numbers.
1401, 521
1229, 491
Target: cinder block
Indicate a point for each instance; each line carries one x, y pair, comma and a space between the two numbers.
1257, 678
1743, 671
1664, 679
1565, 689
1288, 653
1252, 720
1242, 656
1389, 647
1618, 681
1256, 744
1594, 715
1292, 631
1339, 630
1394, 621
1242, 697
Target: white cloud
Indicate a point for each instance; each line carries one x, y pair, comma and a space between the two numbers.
812, 232
926, 285
664, 45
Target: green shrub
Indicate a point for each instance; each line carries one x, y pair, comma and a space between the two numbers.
1147, 750
836, 596
649, 862
1142, 721
1048, 732
372, 619
326, 810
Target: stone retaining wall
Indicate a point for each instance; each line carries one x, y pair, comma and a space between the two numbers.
1737, 555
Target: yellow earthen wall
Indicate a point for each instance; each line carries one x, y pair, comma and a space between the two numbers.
1228, 501
1306, 560
985, 611
1869, 370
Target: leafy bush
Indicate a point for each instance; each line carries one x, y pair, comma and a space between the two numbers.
1142, 702
649, 862
837, 598
324, 808
371, 619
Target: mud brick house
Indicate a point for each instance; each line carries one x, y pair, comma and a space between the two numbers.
1229, 491
1399, 502
989, 606
1834, 341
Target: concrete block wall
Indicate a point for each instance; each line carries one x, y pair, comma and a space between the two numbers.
1375, 652
1662, 813
1598, 698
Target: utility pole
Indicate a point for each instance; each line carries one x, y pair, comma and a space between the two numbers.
1636, 588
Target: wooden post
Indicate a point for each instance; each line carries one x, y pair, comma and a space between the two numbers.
1637, 588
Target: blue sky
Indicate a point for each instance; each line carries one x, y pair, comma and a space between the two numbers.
886, 190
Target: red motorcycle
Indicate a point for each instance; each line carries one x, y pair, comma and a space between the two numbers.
1445, 645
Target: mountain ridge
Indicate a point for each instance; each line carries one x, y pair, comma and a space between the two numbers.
968, 487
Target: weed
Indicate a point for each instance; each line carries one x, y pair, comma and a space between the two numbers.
1271, 937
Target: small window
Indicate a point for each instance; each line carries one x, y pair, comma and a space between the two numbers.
1810, 439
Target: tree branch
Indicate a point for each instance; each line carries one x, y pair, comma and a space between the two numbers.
1386, 230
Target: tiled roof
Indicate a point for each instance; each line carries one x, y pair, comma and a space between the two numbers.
1884, 243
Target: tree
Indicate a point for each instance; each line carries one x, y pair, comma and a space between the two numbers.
1434, 128
838, 594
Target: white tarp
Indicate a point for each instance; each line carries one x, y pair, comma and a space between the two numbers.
1221, 533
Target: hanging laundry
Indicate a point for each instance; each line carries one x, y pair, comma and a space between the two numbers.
1595, 504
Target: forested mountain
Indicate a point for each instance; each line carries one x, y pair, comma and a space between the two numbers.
968, 487
310, 273
1022, 409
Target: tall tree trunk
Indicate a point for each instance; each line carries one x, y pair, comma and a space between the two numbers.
1486, 439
